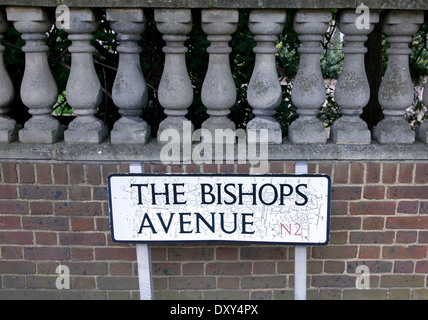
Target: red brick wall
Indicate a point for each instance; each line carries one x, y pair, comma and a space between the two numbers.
55, 214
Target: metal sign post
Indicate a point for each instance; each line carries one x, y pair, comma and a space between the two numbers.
144, 259
300, 253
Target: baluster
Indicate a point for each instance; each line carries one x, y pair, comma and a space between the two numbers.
396, 92
175, 89
352, 91
130, 89
309, 92
264, 92
83, 89
8, 127
38, 88
218, 89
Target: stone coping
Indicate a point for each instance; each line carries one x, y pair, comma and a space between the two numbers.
151, 152
239, 4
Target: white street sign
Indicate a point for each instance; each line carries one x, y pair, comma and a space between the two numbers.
289, 209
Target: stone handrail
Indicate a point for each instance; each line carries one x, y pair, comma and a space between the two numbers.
307, 135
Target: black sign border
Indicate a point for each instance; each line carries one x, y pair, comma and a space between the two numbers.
111, 176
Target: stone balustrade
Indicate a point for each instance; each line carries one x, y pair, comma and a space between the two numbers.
219, 22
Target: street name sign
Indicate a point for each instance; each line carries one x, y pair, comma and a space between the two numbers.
275, 208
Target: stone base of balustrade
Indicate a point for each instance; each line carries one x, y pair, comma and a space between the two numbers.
45, 131
394, 131
82, 132
130, 133
258, 124
307, 131
422, 132
9, 130
350, 131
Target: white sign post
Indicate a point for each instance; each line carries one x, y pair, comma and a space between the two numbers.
275, 209
144, 259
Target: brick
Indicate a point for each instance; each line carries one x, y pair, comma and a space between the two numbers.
16, 237
340, 172
46, 238
93, 174
43, 192
8, 192
117, 283
226, 253
403, 267
335, 252
82, 224
402, 281
256, 282
373, 172
423, 207
373, 223
372, 294
82, 239
44, 175
421, 173
263, 253
17, 267
76, 174
10, 222
345, 223
423, 237
123, 269
46, 253
405, 173
82, 253
408, 192
126, 254
373, 207
374, 266
10, 174
369, 252
193, 268
374, 192
190, 254
357, 173
77, 192
229, 268
389, 173
60, 173
12, 252
421, 267
26, 173
406, 236
326, 168
346, 193
13, 207
193, 168
339, 208
332, 281
276, 167
408, 207
88, 268
411, 222
199, 283
404, 252
45, 223
371, 237
228, 282
78, 208
41, 208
